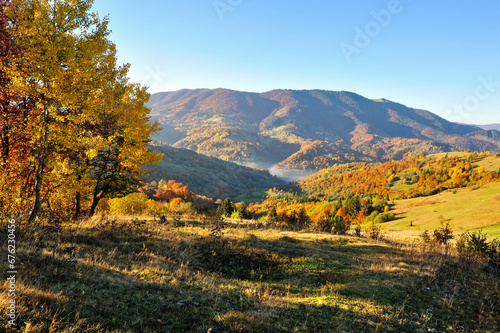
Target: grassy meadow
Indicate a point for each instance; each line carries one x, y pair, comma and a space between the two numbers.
129, 274
471, 208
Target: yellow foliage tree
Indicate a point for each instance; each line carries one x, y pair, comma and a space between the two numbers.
91, 130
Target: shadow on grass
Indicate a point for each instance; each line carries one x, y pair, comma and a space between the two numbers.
136, 281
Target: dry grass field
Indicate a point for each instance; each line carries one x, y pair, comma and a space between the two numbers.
133, 275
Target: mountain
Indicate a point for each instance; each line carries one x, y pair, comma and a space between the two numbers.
490, 127
306, 129
209, 176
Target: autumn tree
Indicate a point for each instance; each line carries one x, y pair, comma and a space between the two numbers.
16, 114
90, 131
117, 165
242, 211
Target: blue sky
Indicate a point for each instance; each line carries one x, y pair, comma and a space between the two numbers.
442, 56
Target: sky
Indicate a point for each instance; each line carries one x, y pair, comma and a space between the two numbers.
440, 56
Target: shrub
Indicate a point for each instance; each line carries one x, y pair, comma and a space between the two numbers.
385, 217
379, 204
103, 206
272, 215
426, 237
323, 222
372, 216
495, 251
475, 246
369, 226
443, 235
132, 204
182, 208
153, 207
373, 230
357, 230
174, 205
439, 236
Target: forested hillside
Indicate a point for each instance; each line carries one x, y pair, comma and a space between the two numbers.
209, 176
306, 129
356, 190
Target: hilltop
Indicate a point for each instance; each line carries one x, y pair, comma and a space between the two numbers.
306, 129
490, 127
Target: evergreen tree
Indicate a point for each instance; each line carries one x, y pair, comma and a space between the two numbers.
243, 211
226, 209
352, 205
272, 215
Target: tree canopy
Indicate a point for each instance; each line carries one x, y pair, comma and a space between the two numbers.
73, 128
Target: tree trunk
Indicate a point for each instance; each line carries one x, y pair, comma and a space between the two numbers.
78, 206
95, 202
40, 173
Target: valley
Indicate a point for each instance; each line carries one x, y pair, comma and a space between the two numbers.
306, 130
133, 201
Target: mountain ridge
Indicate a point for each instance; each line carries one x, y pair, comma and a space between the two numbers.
266, 129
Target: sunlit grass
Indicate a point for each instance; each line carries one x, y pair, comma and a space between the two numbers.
126, 275
467, 209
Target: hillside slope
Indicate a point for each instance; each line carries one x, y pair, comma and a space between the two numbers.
209, 176
412, 177
455, 207
135, 275
265, 129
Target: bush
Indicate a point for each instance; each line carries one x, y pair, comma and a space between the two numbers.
443, 235
385, 217
357, 230
132, 204
369, 226
379, 204
373, 230
426, 238
179, 207
154, 208
323, 222
475, 246
439, 236
372, 216
272, 215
